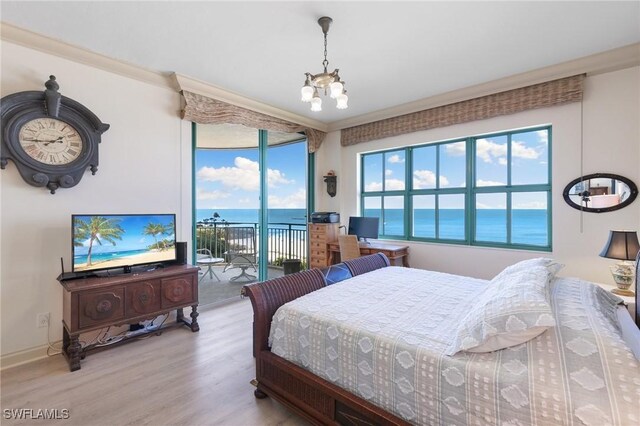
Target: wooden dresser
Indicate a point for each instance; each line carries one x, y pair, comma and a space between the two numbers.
320, 235
98, 302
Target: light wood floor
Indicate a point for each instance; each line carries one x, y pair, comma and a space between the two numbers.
178, 378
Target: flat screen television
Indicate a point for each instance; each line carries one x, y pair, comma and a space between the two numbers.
363, 227
106, 241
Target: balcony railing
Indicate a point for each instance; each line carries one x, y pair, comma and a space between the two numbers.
284, 240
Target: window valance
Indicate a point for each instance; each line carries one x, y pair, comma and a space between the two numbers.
205, 110
541, 95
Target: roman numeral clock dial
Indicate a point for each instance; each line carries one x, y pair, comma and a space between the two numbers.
51, 139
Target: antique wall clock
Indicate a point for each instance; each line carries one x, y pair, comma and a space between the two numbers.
50, 138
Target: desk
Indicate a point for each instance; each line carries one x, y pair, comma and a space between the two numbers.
397, 254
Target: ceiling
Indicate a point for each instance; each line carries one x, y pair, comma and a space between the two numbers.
388, 53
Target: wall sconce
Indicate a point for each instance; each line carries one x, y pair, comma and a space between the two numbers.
332, 183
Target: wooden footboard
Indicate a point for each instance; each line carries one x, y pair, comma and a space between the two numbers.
310, 396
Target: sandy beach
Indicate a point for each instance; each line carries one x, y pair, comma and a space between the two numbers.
152, 257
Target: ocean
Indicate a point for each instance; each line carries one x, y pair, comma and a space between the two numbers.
529, 227
97, 256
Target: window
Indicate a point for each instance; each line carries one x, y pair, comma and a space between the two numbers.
490, 190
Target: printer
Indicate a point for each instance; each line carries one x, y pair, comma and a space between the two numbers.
325, 217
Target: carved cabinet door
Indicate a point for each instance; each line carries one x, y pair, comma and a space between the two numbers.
143, 298
177, 291
104, 306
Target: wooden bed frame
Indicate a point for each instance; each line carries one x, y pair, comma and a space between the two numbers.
306, 394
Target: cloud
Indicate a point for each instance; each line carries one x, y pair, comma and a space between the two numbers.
520, 150
543, 136
456, 149
481, 182
486, 149
373, 186
203, 194
395, 158
427, 179
393, 184
244, 175
297, 200
390, 185
388, 172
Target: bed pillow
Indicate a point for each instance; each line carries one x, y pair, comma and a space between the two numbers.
513, 309
552, 266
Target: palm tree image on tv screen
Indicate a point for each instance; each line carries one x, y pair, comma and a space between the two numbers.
113, 241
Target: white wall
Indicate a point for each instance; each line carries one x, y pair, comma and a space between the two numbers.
145, 167
328, 158
611, 144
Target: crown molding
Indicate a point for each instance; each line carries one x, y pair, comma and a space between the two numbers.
203, 88
599, 63
32, 40
176, 82
612, 60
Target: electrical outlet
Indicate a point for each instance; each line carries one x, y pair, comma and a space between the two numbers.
42, 320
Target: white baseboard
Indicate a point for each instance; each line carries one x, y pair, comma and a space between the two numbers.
26, 356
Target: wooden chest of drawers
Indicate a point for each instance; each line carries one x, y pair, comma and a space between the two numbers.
93, 303
320, 235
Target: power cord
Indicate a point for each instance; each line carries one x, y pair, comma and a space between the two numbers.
50, 346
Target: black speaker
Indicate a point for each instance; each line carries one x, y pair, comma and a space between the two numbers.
181, 253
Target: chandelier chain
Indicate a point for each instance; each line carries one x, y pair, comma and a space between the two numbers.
325, 63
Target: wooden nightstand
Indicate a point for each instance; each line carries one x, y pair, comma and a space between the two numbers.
629, 300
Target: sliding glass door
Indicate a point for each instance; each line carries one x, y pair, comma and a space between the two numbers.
249, 206
286, 203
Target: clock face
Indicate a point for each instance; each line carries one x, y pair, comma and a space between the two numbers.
50, 141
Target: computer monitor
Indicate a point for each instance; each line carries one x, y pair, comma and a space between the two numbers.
363, 227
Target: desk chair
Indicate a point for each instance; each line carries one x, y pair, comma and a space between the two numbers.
205, 258
349, 247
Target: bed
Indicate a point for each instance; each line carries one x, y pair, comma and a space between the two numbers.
579, 372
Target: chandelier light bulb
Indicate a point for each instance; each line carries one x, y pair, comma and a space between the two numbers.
336, 87
342, 100
316, 102
307, 93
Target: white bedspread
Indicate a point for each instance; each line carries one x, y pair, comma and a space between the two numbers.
382, 336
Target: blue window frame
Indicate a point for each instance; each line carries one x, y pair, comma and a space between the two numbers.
488, 190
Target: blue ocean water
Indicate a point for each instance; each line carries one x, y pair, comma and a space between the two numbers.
276, 216
528, 226
100, 257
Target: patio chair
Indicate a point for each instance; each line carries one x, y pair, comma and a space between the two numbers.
241, 253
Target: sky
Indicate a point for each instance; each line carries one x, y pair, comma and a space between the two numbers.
133, 237
230, 179
529, 158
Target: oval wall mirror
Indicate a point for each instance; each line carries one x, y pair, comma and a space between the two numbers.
600, 192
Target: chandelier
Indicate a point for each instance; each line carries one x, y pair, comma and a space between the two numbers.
325, 80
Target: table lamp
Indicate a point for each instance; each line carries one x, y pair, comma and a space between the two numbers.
622, 245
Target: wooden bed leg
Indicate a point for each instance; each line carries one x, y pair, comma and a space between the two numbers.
259, 394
